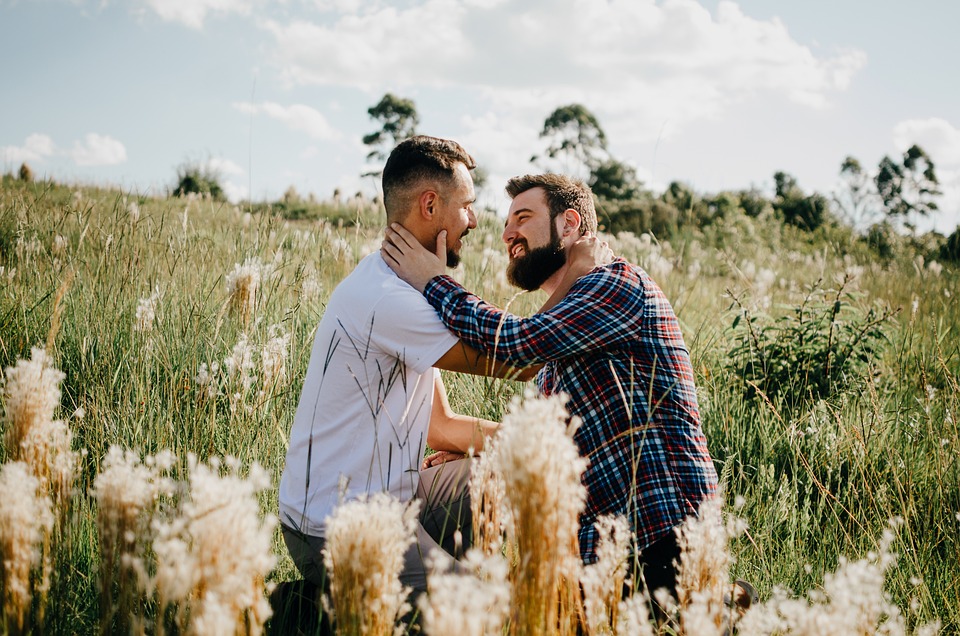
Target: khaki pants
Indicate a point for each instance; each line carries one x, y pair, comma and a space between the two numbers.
445, 524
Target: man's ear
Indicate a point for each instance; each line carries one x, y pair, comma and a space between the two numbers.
428, 202
571, 222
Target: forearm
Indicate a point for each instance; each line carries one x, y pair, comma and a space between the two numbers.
460, 433
500, 335
597, 312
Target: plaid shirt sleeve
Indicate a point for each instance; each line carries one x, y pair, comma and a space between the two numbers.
599, 311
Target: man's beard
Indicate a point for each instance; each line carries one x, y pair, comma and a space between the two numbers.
532, 269
453, 258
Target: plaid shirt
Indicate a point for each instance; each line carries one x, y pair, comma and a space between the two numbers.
613, 344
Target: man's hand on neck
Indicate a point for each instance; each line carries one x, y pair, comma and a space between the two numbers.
411, 261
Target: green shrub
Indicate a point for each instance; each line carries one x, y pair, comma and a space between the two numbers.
883, 240
639, 216
950, 250
806, 213
193, 178
818, 350
26, 174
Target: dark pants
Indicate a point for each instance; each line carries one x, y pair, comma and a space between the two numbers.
655, 568
657, 565
445, 524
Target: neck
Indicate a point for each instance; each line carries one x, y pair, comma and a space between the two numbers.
550, 285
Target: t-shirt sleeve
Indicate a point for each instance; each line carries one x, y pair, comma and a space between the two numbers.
405, 325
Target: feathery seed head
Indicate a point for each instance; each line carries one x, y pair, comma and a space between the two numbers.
473, 603
26, 519
243, 284
215, 554
602, 581
31, 393
541, 469
273, 357
147, 312
366, 539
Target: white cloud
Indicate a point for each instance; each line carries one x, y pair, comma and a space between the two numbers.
297, 117
373, 46
938, 137
192, 13
233, 191
635, 63
98, 150
224, 167
93, 150
35, 148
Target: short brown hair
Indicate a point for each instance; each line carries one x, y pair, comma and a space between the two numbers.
414, 161
562, 193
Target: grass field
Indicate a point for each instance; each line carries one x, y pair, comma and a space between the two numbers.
185, 326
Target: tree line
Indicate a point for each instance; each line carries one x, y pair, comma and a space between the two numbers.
891, 198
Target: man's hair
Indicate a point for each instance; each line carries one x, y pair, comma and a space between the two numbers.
562, 193
416, 163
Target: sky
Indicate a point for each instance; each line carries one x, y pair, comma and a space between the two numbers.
715, 93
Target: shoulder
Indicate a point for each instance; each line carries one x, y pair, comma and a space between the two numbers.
372, 282
620, 274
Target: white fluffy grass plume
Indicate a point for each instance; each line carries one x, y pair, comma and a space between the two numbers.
541, 470
491, 516
31, 394
702, 576
147, 312
213, 556
852, 601
26, 518
125, 490
243, 287
471, 603
633, 616
365, 543
602, 581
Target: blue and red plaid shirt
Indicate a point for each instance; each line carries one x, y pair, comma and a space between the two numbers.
613, 344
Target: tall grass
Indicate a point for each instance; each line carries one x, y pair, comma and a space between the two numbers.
142, 304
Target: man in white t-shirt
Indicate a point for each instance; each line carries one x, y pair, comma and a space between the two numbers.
373, 395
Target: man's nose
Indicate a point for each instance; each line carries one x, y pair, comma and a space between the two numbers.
508, 234
472, 219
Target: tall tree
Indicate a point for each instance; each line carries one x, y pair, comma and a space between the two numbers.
796, 208
398, 120
614, 180
855, 200
908, 189
786, 186
576, 137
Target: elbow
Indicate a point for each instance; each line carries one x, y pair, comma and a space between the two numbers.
435, 439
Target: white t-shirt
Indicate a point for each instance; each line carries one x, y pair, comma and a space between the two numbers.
361, 424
